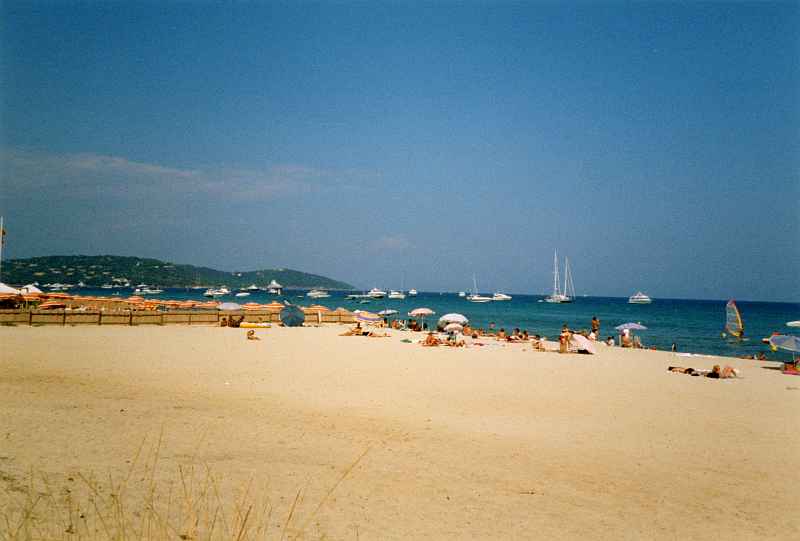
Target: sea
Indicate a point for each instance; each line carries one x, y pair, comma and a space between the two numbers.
694, 326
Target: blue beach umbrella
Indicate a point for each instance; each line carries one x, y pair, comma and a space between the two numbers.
368, 317
631, 327
786, 341
292, 316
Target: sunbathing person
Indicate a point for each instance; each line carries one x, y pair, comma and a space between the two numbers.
355, 331
430, 340
715, 373
251, 335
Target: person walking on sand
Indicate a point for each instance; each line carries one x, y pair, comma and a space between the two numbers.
595, 326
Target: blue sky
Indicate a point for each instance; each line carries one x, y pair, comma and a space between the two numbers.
655, 144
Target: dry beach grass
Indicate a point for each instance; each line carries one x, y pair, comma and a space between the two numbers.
196, 433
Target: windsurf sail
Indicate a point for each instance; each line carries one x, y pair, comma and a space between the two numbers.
733, 320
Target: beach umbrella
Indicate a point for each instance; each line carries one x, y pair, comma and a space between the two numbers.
387, 312
229, 306
368, 317
292, 316
631, 327
453, 318
454, 327
581, 342
793, 323
319, 308
785, 341
421, 313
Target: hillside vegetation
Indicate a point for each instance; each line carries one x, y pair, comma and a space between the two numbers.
110, 269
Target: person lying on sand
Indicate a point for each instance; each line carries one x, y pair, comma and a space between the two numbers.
251, 335
755, 357
430, 340
358, 330
455, 341
715, 373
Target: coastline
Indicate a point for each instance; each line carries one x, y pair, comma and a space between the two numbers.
488, 442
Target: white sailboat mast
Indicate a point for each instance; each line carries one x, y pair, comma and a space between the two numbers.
556, 292
569, 287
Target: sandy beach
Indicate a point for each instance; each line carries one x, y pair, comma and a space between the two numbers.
178, 431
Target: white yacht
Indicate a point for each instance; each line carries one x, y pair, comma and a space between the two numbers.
251, 287
560, 296
412, 292
475, 297
318, 294
396, 295
217, 292
462, 294
243, 294
639, 298
376, 293
143, 289
274, 288
501, 297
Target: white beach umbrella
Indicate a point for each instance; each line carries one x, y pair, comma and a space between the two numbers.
793, 323
453, 318
581, 342
421, 313
229, 306
453, 327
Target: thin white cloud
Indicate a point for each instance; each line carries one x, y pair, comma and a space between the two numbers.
95, 175
390, 243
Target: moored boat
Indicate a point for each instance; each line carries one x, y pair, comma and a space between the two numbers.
639, 298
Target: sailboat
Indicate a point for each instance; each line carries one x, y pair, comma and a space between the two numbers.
734, 325
475, 297
560, 296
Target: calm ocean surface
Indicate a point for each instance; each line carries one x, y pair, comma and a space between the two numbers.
694, 325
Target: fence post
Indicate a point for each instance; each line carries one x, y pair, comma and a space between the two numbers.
130, 317
190, 318
64, 317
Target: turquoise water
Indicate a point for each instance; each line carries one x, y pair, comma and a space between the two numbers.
694, 325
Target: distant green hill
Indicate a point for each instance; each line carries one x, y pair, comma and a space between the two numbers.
107, 269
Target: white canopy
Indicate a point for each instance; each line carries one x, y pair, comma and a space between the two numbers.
30, 288
9, 290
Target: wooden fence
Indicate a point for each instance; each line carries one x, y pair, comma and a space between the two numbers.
154, 317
